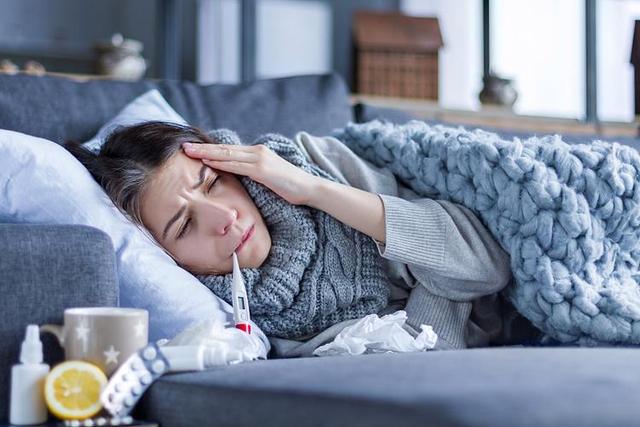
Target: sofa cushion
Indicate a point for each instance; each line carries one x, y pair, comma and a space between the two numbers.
58, 108
148, 106
510, 387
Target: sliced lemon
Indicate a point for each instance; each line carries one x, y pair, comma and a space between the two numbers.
72, 389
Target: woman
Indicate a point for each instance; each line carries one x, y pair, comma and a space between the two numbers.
440, 263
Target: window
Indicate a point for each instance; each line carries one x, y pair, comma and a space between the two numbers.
540, 44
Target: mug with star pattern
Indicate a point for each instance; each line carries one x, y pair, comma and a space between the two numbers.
104, 336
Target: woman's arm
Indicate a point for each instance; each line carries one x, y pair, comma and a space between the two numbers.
357, 208
444, 244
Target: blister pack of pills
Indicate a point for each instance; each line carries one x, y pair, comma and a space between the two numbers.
127, 385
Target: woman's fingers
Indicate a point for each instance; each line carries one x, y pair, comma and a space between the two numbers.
226, 165
198, 145
221, 152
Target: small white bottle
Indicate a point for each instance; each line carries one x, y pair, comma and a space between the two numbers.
27, 382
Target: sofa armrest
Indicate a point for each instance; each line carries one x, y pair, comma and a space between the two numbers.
43, 270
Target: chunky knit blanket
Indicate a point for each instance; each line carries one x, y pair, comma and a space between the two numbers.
319, 271
568, 215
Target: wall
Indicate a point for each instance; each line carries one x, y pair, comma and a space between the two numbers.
615, 24
293, 37
29, 22
70, 28
460, 60
541, 45
218, 41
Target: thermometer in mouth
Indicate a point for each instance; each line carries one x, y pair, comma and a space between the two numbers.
239, 296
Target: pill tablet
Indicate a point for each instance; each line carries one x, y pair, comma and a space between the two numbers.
136, 389
129, 401
146, 378
149, 353
158, 366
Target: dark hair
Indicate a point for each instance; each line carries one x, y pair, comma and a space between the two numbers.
131, 156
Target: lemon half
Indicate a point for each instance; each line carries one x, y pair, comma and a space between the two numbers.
72, 389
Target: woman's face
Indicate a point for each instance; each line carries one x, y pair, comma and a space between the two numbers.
200, 215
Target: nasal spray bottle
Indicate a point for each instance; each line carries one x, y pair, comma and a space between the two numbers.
27, 382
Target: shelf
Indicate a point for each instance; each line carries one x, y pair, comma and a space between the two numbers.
500, 118
48, 50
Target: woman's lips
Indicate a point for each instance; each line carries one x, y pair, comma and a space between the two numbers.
249, 234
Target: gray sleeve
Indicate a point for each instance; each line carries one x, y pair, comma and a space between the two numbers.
445, 246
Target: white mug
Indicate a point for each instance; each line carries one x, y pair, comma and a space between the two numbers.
104, 336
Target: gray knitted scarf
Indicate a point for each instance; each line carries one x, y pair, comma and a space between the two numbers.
319, 271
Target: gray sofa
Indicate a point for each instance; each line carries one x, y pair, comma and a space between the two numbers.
46, 268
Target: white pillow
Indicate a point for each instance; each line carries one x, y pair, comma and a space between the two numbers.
149, 106
43, 183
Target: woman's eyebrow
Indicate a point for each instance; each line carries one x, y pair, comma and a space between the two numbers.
178, 214
203, 169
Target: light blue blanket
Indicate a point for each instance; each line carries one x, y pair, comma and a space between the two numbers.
568, 215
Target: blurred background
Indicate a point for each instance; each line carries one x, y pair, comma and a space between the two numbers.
567, 59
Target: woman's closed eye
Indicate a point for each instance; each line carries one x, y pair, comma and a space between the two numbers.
211, 183
209, 186
184, 228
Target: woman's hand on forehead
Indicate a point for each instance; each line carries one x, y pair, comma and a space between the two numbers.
259, 163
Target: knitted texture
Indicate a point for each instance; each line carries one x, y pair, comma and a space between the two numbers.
319, 271
567, 214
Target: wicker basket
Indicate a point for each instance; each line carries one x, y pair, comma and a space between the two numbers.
396, 55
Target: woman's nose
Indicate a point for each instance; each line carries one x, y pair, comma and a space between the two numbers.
218, 218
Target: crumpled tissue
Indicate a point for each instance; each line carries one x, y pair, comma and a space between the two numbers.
374, 334
238, 345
